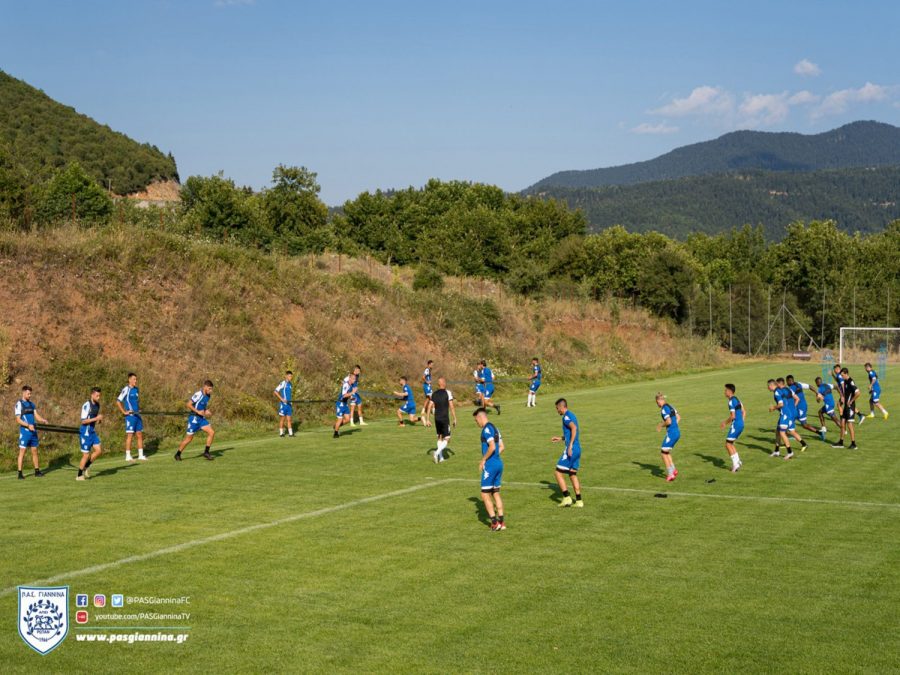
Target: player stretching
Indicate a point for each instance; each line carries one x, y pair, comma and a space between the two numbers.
356, 401
797, 388
442, 402
785, 405
409, 403
90, 441
284, 392
536, 374
825, 394
427, 390
26, 417
569, 461
129, 406
487, 387
198, 404
342, 405
849, 392
670, 420
875, 393
737, 413
491, 468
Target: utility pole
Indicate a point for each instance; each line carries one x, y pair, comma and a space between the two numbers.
822, 338
709, 288
749, 351
783, 305
730, 322
768, 319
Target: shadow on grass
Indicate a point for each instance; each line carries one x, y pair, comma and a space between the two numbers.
55, 464
717, 462
114, 469
654, 469
760, 448
480, 511
555, 495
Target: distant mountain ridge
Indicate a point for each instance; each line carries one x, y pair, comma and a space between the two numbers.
854, 145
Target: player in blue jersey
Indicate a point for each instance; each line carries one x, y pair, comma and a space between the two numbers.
670, 421
537, 374
26, 417
87, 437
799, 389
491, 469
407, 403
342, 405
875, 393
836, 376
284, 392
785, 405
737, 413
570, 460
129, 405
427, 390
479, 387
825, 395
198, 405
356, 410
487, 387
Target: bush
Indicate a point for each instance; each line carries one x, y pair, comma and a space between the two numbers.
427, 278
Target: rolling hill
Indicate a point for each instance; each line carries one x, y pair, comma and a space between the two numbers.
38, 134
859, 144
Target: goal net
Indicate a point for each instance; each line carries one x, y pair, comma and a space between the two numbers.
864, 344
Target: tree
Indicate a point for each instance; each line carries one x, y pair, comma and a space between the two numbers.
294, 212
54, 199
214, 205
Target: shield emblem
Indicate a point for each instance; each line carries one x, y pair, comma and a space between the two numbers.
43, 616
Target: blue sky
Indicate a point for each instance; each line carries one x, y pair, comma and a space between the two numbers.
389, 94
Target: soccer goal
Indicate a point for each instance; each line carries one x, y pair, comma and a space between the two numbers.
877, 345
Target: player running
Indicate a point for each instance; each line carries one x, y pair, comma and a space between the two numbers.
797, 388
427, 390
491, 468
409, 403
536, 374
444, 409
479, 387
570, 460
356, 401
284, 392
849, 392
342, 405
786, 406
198, 405
670, 420
26, 417
128, 404
737, 413
825, 394
487, 387
88, 438
875, 394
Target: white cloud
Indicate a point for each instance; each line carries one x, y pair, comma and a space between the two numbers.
838, 102
804, 98
806, 68
764, 109
647, 128
705, 100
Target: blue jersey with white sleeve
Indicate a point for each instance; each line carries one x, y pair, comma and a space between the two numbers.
734, 405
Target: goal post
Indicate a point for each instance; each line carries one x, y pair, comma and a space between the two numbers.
875, 344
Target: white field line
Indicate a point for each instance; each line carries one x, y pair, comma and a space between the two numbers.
222, 536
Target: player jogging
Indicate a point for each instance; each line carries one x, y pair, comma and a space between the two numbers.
88, 438
356, 401
487, 387
536, 374
284, 392
198, 405
570, 460
802, 408
737, 413
408, 407
670, 420
479, 387
26, 417
491, 468
342, 405
444, 409
825, 394
427, 390
129, 405
785, 405
875, 393
849, 392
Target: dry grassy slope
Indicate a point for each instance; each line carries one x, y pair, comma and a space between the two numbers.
81, 307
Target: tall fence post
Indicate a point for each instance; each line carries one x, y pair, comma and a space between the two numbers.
749, 350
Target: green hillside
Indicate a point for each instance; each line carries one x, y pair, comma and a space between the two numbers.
863, 200
860, 144
39, 135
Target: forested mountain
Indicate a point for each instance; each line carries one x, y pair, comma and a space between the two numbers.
860, 144
862, 200
39, 135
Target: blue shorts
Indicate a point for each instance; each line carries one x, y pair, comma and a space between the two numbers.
133, 424
27, 438
801, 415
535, 385
491, 477
285, 410
672, 437
568, 464
479, 389
825, 410
88, 438
785, 424
427, 389
356, 399
341, 409
734, 432
875, 395
489, 391
408, 408
195, 424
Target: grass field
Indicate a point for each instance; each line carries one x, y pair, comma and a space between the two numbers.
311, 554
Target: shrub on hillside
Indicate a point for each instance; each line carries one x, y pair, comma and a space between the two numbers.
55, 198
427, 278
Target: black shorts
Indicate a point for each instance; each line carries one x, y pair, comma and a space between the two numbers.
442, 428
848, 413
